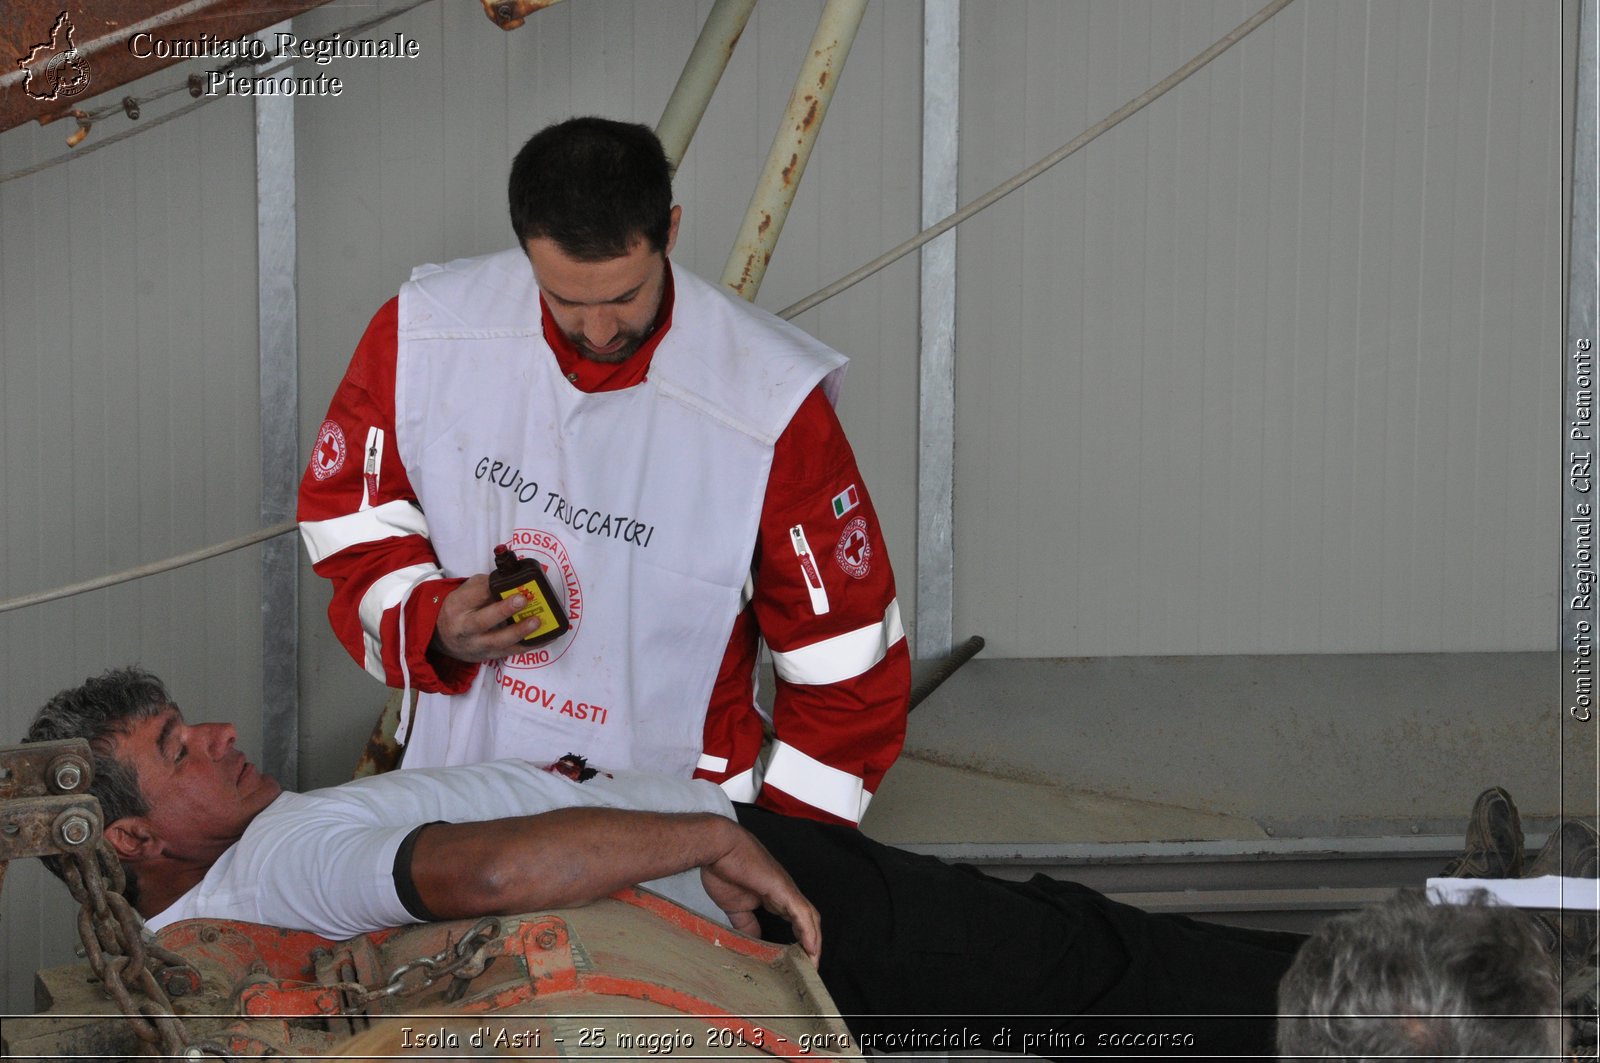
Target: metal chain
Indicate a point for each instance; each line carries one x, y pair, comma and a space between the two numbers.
465, 960
461, 961
113, 942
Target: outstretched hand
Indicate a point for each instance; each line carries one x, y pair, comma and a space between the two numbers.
747, 877
572, 856
472, 623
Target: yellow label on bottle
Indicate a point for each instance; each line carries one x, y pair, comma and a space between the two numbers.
537, 606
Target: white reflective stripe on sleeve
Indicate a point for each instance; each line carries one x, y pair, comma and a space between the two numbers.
709, 763
815, 783
324, 538
372, 660
382, 596
843, 656
742, 787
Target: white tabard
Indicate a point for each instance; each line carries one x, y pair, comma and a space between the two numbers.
642, 504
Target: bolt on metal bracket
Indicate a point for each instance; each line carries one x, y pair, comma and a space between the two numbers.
39, 769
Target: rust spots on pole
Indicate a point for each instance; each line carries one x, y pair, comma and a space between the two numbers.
382, 752
745, 275
811, 114
713, 49
802, 120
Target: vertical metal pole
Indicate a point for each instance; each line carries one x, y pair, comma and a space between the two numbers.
706, 62
277, 324
936, 450
791, 148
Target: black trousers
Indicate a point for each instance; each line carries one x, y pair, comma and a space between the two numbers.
920, 954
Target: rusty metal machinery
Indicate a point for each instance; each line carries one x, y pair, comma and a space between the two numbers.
646, 976
45, 807
629, 975
44, 804
46, 811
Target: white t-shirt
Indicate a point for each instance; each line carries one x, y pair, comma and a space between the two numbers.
324, 861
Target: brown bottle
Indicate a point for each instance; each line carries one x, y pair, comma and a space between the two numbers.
525, 576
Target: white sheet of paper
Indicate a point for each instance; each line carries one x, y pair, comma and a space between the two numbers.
1547, 891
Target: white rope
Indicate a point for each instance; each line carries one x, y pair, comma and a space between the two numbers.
999, 192
106, 142
127, 575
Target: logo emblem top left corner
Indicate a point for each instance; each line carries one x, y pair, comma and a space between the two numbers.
54, 68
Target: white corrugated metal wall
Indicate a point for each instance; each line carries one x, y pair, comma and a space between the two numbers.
1267, 369
128, 415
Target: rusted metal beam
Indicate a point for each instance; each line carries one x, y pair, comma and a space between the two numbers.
48, 826
54, 56
45, 805
701, 73
791, 148
42, 769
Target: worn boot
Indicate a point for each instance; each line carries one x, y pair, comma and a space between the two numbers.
1494, 840
1571, 936
1571, 852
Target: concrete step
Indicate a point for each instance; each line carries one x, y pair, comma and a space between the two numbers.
1157, 857
923, 802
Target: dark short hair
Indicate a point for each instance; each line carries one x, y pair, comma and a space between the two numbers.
594, 186
1409, 978
100, 710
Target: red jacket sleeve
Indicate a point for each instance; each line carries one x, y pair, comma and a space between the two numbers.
823, 599
365, 531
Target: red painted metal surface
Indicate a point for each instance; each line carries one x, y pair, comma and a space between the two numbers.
717, 935
655, 972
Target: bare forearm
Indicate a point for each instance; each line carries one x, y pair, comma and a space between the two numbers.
576, 855
566, 857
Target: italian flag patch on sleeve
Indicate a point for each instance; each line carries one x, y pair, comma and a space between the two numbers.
845, 501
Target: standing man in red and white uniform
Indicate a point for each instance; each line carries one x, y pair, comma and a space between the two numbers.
669, 455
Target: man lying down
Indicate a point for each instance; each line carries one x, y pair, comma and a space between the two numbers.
203, 834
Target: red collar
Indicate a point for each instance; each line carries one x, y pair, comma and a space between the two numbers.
591, 376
